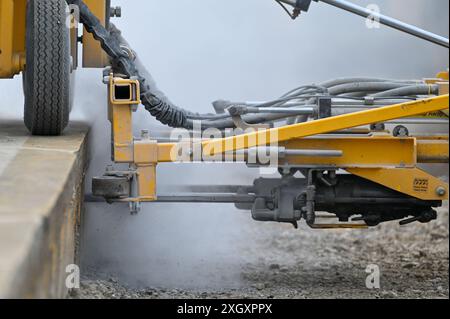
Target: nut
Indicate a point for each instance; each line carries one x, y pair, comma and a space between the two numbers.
441, 191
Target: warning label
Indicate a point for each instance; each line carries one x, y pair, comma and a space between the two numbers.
421, 185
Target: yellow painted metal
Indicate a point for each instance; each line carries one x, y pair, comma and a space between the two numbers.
357, 151
93, 55
387, 160
121, 121
12, 37
443, 75
145, 152
146, 177
444, 89
333, 124
411, 181
120, 116
433, 151
440, 77
74, 44
165, 152
132, 87
339, 226
441, 80
142, 154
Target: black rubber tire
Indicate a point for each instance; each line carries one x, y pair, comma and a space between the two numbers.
47, 70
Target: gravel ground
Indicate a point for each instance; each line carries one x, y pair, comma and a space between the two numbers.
283, 263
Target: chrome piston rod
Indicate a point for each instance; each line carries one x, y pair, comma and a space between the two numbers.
186, 198
383, 19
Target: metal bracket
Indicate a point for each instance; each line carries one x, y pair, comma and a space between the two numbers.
236, 112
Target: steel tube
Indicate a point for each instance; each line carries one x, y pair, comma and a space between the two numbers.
283, 152
419, 121
187, 198
283, 110
383, 19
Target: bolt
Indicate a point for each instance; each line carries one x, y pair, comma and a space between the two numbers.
400, 131
369, 100
441, 191
145, 134
106, 79
116, 12
135, 208
378, 127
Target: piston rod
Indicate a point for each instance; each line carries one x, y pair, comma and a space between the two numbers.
186, 198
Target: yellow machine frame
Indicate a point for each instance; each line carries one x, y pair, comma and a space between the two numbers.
13, 37
93, 54
384, 159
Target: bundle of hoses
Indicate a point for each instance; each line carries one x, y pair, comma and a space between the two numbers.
125, 61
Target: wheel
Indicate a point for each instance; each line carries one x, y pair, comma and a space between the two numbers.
48, 68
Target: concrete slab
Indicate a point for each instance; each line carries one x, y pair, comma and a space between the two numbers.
41, 187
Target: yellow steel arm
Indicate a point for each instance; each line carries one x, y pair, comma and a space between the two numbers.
411, 181
286, 133
93, 54
390, 161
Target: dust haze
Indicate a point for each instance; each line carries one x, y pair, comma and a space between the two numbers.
202, 50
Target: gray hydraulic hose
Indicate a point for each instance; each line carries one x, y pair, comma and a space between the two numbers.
149, 80
340, 81
207, 120
423, 89
364, 87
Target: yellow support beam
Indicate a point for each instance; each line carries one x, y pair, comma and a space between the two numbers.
122, 136
432, 151
357, 151
373, 151
93, 54
337, 123
410, 181
12, 37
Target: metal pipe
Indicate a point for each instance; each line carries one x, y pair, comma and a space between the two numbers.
282, 110
383, 19
186, 198
390, 22
419, 121
283, 152
207, 198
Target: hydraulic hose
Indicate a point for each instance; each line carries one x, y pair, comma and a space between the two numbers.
125, 61
423, 89
364, 87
